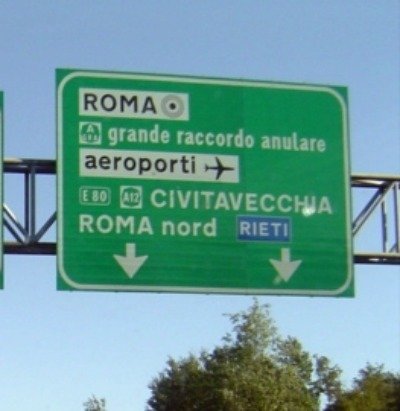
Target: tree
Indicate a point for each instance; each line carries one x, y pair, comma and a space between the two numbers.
253, 369
94, 404
374, 390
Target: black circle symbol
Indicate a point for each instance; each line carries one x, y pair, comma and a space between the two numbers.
172, 106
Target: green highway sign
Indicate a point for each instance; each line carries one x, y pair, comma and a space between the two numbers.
183, 184
1, 184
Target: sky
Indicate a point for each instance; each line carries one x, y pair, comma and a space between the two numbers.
59, 348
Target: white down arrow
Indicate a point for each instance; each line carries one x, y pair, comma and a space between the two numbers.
129, 262
285, 267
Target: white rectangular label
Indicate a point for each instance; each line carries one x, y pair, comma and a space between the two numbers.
158, 165
133, 104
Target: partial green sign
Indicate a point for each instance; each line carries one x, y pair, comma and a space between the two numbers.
1, 186
184, 184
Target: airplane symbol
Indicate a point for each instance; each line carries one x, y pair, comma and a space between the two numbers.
219, 167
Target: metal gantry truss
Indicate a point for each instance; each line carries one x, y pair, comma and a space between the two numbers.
27, 237
377, 222
381, 208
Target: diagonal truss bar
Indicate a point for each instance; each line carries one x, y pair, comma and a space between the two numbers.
384, 197
383, 203
27, 237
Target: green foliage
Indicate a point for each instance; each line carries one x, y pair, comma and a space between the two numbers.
374, 390
94, 404
253, 369
327, 381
